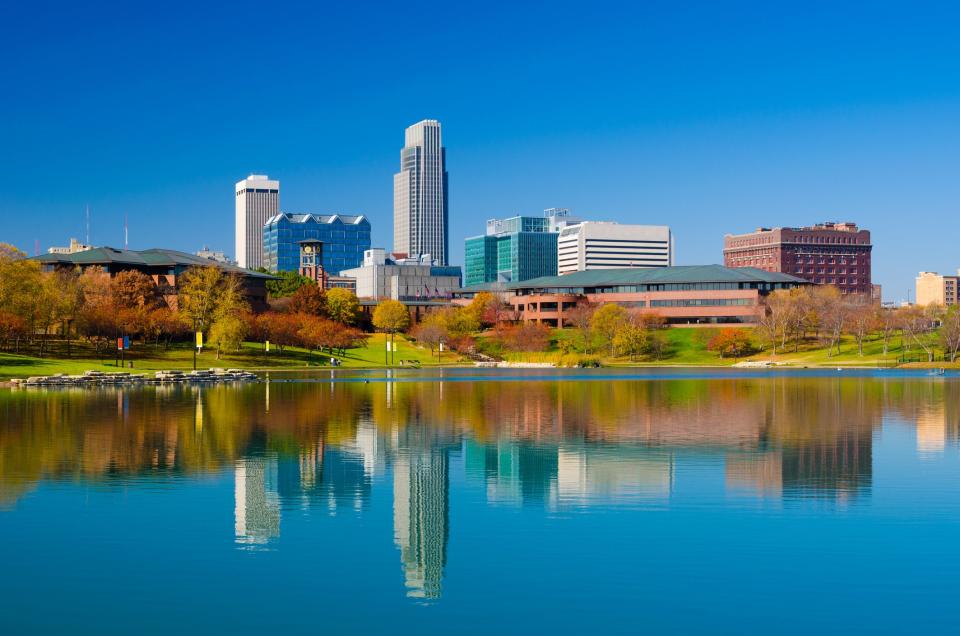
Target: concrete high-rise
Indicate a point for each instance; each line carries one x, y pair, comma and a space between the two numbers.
258, 199
420, 215
594, 245
932, 288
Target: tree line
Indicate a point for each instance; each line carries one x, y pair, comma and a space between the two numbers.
98, 308
821, 314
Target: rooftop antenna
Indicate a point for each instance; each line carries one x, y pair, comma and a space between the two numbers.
87, 242
126, 235
36, 247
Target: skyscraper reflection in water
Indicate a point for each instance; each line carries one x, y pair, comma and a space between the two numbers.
421, 506
256, 503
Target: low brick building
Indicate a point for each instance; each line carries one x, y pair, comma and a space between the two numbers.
687, 295
163, 266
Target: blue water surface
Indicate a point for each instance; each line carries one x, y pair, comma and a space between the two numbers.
477, 501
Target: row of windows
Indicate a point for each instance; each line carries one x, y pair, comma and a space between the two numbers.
701, 302
656, 287
832, 270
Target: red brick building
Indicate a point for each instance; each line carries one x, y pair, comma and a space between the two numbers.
826, 253
682, 295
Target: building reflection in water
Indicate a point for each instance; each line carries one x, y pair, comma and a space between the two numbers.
420, 456
536, 443
256, 502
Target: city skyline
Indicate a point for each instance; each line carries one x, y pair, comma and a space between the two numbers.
702, 135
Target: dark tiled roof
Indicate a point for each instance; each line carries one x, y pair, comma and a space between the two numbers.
144, 258
642, 276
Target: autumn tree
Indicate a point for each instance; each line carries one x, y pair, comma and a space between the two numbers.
833, 310
345, 337
97, 317
432, 330
462, 322
227, 332
490, 310
918, 323
527, 336
207, 295
731, 342
25, 291
861, 320
630, 339
579, 318
163, 323
885, 322
280, 328
308, 299
198, 295
950, 332
133, 289
778, 313
606, 321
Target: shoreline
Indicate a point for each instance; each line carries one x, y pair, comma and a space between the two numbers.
12, 382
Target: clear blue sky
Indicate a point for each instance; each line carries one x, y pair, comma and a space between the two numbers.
711, 117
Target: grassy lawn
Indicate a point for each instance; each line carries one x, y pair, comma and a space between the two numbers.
251, 356
688, 346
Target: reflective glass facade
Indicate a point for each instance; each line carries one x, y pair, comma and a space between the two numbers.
344, 237
523, 248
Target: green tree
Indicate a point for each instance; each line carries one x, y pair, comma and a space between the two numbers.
286, 283
342, 306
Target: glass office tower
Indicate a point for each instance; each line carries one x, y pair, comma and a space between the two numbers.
345, 239
514, 249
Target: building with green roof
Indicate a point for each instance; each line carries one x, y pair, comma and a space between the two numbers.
162, 265
693, 294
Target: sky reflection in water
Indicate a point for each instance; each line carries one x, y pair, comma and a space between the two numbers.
682, 502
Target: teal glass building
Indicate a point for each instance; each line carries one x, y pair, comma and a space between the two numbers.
345, 239
514, 249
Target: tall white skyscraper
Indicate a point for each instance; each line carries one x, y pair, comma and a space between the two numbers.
420, 219
258, 199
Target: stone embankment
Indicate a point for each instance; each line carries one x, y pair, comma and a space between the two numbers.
515, 365
758, 364
122, 378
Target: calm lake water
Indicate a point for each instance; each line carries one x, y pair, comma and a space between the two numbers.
467, 502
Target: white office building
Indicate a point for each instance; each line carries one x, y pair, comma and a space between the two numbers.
403, 278
420, 217
258, 199
594, 245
